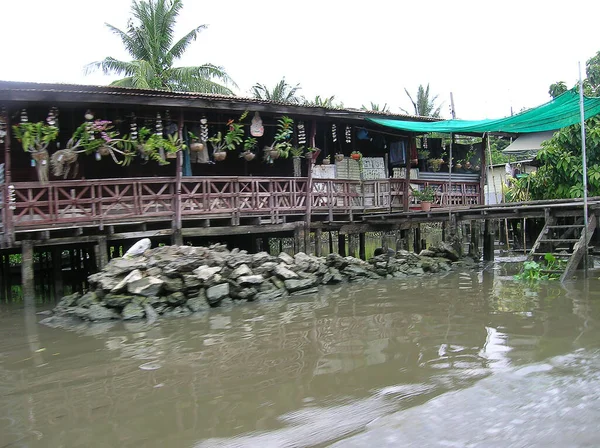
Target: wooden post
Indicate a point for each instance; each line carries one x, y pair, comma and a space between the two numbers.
267, 245
352, 244
406, 193
102, 254
417, 241
342, 244
362, 246
488, 241
483, 171
176, 237
8, 213
298, 238
57, 273
330, 242
27, 279
318, 242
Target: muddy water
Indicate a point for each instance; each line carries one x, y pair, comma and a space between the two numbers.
469, 359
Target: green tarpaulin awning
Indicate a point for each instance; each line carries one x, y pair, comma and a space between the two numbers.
561, 112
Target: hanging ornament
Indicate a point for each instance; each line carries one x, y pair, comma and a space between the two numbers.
89, 115
204, 129
301, 133
2, 124
133, 130
24, 118
256, 127
334, 132
52, 118
348, 134
424, 142
159, 125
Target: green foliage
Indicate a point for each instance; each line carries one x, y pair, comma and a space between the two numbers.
149, 39
282, 92
560, 174
250, 143
281, 141
151, 143
297, 151
35, 136
427, 194
376, 107
424, 105
519, 189
232, 138
534, 271
320, 101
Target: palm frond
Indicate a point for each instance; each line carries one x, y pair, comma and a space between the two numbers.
198, 76
178, 49
111, 65
124, 82
282, 92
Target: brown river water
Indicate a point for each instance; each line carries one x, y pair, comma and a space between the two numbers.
466, 359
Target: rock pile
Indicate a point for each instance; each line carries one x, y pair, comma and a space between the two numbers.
180, 280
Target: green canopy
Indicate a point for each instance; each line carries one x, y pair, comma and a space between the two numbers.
561, 112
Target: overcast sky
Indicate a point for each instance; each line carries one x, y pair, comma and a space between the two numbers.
491, 54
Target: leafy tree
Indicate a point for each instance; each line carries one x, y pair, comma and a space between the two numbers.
560, 174
424, 105
282, 92
150, 42
375, 107
558, 88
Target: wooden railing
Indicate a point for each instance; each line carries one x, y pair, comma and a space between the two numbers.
456, 194
96, 202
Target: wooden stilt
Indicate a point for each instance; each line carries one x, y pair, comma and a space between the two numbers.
57, 273
352, 244
298, 239
267, 245
27, 276
177, 237
102, 257
342, 244
417, 240
331, 251
488, 241
318, 242
362, 246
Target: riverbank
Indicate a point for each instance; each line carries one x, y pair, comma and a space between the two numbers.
172, 281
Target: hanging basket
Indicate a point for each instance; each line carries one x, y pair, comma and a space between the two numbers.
249, 156
355, 156
326, 162
196, 147
339, 157
219, 156
171, 155
104, 151
274, 153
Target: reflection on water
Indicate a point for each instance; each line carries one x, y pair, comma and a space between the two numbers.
301, 372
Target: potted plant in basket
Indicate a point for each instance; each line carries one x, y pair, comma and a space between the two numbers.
426, 196
281, 142
230, 141
326, 160
249, 146
339, 157
35, 139
195, 144
356, 155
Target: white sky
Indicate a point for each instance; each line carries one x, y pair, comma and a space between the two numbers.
491, 54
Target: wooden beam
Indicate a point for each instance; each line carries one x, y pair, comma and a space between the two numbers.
27, 272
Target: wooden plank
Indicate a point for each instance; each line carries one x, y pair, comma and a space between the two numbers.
580, 250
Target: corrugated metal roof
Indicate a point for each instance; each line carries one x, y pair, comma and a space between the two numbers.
18, 86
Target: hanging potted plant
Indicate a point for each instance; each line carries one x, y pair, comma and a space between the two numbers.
195, 144
339, 157
154, 146
249, 146
35, 139
426, 196
281, 145
230, 141
326, 160
356, 155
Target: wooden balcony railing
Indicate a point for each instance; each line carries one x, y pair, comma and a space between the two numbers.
96, 202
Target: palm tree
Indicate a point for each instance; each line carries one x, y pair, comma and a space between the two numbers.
375, 107
149, 40
320, 101
424, 106
558, 88
282, 92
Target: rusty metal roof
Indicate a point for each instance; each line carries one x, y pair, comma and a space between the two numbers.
34, 91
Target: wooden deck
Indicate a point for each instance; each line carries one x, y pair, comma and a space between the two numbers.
237, 200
